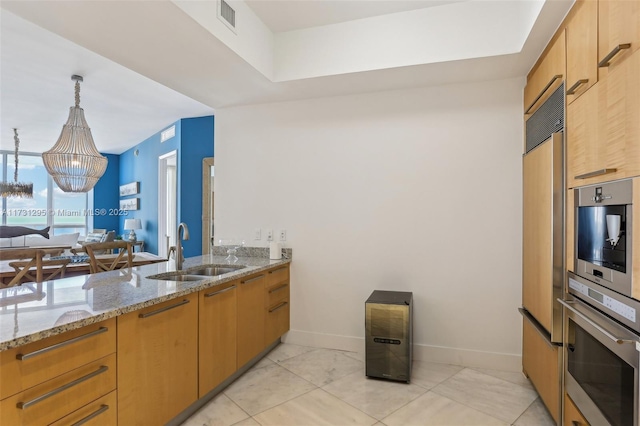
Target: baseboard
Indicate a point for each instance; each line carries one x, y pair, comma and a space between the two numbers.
444, 355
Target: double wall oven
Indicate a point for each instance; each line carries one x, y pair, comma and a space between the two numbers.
602, 309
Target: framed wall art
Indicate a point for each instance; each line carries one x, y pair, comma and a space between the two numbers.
129, 189
130, 204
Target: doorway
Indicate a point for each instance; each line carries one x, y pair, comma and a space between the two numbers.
207, 204
167, 202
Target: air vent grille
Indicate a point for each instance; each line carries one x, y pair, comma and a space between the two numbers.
548, 119
227, 14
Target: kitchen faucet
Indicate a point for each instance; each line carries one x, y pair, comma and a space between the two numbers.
185, 236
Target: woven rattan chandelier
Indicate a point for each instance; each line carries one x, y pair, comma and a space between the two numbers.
74, 163
15, 188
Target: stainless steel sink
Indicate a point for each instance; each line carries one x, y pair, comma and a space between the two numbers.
213, 270
196, 273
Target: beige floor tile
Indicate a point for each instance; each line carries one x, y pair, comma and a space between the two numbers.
314, 408
510, 376
377, 398
247, 422
432, 409
263, 388
264, 362
322, 366
430, 374
493, 396
535, 415
220, 411
355, 355
286, 350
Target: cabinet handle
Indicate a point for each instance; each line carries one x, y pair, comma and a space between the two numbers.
273, 290
102, 409
23, 357
166, 308
606, 61
572, 89
219, 291
553, 79
24, 405
278, 269
575, 423
618, 340
596, 173
252, 279
281, 305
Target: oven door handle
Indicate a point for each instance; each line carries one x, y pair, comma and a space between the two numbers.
618, 340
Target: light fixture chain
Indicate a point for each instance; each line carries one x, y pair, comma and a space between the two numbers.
17, 144
77, 94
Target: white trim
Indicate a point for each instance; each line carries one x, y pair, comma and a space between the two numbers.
455, 356
162, 200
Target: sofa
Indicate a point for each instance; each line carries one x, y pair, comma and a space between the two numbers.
31, 241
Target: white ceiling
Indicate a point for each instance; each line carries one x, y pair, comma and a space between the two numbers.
146, 64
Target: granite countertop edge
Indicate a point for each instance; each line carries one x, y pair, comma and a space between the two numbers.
189, 288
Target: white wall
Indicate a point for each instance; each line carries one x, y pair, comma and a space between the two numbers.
414, 190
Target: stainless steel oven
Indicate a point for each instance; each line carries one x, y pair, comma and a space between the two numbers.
601, 364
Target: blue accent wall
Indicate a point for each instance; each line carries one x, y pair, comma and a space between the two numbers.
106, 196
193, 142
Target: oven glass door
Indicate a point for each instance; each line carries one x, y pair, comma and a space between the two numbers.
606, 378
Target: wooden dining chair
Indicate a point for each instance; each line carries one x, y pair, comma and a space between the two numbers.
101, 263
32, 266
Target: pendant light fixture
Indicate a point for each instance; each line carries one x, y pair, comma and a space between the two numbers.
74, 163
15, 188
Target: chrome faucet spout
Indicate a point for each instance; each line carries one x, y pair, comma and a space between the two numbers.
185, 236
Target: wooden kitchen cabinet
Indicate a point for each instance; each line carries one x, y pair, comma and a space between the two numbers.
603, 128
546, 75
251, 317
158, 361
61, 395
541, 362
277, 312
34, 363
101, 412
572, 416
618, 25
217, 355
582, 48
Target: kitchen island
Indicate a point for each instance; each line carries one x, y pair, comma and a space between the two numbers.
175, 343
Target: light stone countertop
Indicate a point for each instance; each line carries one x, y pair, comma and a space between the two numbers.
32, 312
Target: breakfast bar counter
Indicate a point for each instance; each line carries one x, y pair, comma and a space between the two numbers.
32, 312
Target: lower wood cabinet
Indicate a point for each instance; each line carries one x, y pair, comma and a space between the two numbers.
158, 361
251, 323
572, 416
61, 395
541, 362
101, 412
276, 304
217, 336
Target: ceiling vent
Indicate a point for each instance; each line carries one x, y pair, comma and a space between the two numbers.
227, 15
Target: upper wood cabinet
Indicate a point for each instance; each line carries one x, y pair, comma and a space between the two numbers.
618, 32
546, 75
582, 48
603, 128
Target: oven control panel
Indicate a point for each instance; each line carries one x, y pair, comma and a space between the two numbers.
611, 304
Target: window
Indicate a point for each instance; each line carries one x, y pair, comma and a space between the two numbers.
50, 206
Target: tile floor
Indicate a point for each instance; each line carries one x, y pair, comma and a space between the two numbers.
301, 386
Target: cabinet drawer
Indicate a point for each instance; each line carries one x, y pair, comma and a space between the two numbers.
541, 362
101, 412
37, 362
277, 321
572, 416
60, 396
277, 293
277, 275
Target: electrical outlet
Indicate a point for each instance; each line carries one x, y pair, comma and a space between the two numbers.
258, 234
269, 235
283, 235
